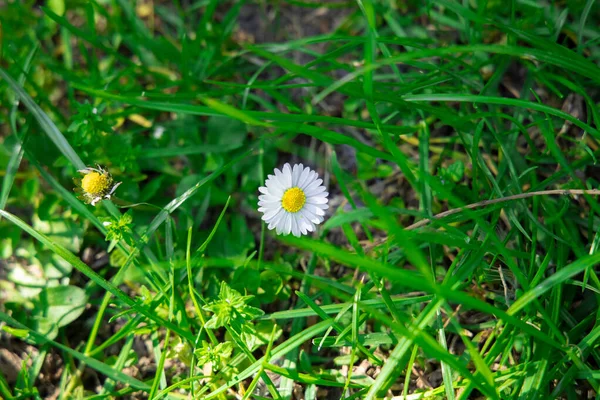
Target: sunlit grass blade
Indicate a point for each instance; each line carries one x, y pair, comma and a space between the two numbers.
100, 281
45, 122
92, 362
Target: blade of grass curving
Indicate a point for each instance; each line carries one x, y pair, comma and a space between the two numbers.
356, 322
480, 364
204, 245
21, 81
368, 339
390, 369
178, 201
409, 368
255, 117
18, 150
100, 281
120, 364
286, 385
414, 281
336, 325
91, 362
341, 179
336, 308
190, 282
284, 348
555, 279
11, 168
45, 122
179, 384
304, 378
451, 97
188, 150
405, 343
4, 388
232, 112
160, 377
94, 41
291, 122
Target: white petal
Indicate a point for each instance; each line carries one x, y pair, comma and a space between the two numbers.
263, 189
315, 209
318, 190
317, 200
302, 226
310, 179
269, 203
312, 217
278, 178
303, 176
321, 206
305, 225
307, 221
287, 224
276, 220
295, 228
112, 190
275, 186
280, 225
287, 175
271, 213
268, 198
313, 185
262, 206
296, 171
307, 216
274, 216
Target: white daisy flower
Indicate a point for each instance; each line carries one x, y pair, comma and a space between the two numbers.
293, 200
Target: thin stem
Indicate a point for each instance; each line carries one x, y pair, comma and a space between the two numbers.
482, 203
197, 308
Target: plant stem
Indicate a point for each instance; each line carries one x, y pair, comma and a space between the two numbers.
482, 203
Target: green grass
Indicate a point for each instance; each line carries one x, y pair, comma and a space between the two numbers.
406, 109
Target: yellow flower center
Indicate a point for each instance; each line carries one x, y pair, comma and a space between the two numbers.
95, 183
293, 200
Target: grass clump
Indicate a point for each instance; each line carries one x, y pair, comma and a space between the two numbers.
457, 142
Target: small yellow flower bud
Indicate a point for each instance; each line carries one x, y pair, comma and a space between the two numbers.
95, 183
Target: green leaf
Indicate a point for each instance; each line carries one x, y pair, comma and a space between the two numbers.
217, 356
61, 305
456, 171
